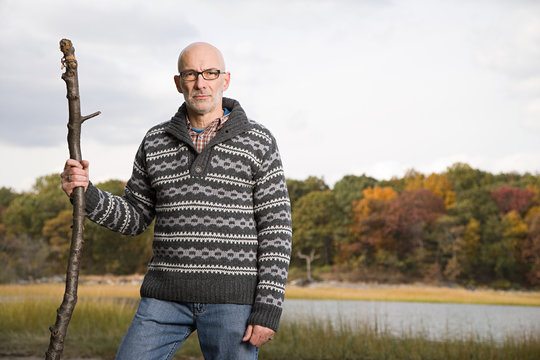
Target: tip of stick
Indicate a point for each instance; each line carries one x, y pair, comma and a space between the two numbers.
66, 46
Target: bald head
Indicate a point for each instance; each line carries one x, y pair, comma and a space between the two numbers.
202, 55
203, 96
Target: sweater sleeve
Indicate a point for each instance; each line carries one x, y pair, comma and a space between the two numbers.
131, 213
273, 218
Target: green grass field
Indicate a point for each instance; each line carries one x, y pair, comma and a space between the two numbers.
104, 312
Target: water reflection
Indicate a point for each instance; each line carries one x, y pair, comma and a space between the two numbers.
435, 321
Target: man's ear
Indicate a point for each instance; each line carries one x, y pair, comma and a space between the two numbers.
227, 79
177, 83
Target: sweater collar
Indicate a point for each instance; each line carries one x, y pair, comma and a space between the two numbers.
236, 124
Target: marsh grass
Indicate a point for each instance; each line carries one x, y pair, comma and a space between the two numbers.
411, 293
322, 340
104, 313
414, 293
96, 328
57, 290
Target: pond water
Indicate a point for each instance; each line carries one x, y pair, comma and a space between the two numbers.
435, 321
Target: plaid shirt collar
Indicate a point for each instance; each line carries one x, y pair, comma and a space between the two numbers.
201, 139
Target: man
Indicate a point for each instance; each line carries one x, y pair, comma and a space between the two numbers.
213, 181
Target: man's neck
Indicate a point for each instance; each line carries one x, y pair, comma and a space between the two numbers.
201, 121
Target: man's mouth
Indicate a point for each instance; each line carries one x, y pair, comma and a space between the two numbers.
201, 96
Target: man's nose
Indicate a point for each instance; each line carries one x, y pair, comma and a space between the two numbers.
200, 82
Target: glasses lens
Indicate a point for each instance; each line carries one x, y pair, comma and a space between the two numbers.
210, 74
188, 75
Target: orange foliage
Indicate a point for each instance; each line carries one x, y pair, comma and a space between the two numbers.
373, 197
413, 180
441, 186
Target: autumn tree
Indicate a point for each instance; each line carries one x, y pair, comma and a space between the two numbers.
468, 249
407, 216
531, 250
374, 197
368, 225
509, 198
406, 222
475, 203
314, 223
504, 252
439, 184
491, 236
22, 257
441, 242
349, 190
535, 202
23, 245
392, 229
6, 196
108, 252
57, 232
464, 177
442, 187
414, 180
516, 180
36, 239
299, 188
27, 213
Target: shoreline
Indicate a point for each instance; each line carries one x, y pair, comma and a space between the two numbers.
128, 287
417, 292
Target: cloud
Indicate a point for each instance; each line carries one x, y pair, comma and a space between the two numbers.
513, 44
512, 49
374, 87
118, 58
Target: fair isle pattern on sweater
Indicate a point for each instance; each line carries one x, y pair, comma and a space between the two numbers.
222, 230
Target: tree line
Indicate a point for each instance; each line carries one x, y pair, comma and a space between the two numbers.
35, 235
463, 226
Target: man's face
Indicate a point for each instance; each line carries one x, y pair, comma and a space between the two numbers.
202, 96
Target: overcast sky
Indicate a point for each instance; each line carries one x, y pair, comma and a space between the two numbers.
346, 87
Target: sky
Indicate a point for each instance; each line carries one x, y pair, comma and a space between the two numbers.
373, 87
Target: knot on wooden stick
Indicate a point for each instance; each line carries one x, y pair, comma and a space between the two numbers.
68, 61
67, 48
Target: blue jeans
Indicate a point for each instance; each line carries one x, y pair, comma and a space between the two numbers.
159, 328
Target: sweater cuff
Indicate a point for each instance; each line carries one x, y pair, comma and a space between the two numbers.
91, 197
265, 315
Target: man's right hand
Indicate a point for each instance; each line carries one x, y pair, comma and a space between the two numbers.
75, 174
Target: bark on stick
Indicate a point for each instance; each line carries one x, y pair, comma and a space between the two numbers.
64, 312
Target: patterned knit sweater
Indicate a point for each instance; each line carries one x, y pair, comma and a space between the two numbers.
222, 229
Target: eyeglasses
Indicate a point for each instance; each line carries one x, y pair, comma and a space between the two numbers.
192, 75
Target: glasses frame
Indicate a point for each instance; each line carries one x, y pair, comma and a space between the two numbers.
182, 73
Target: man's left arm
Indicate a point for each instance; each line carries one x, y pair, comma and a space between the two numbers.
273, 218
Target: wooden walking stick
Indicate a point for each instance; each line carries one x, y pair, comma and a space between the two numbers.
64, 312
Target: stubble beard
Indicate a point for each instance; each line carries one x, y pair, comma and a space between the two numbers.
200, 108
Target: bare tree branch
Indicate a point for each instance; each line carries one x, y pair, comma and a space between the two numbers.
309, 258
64, 312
